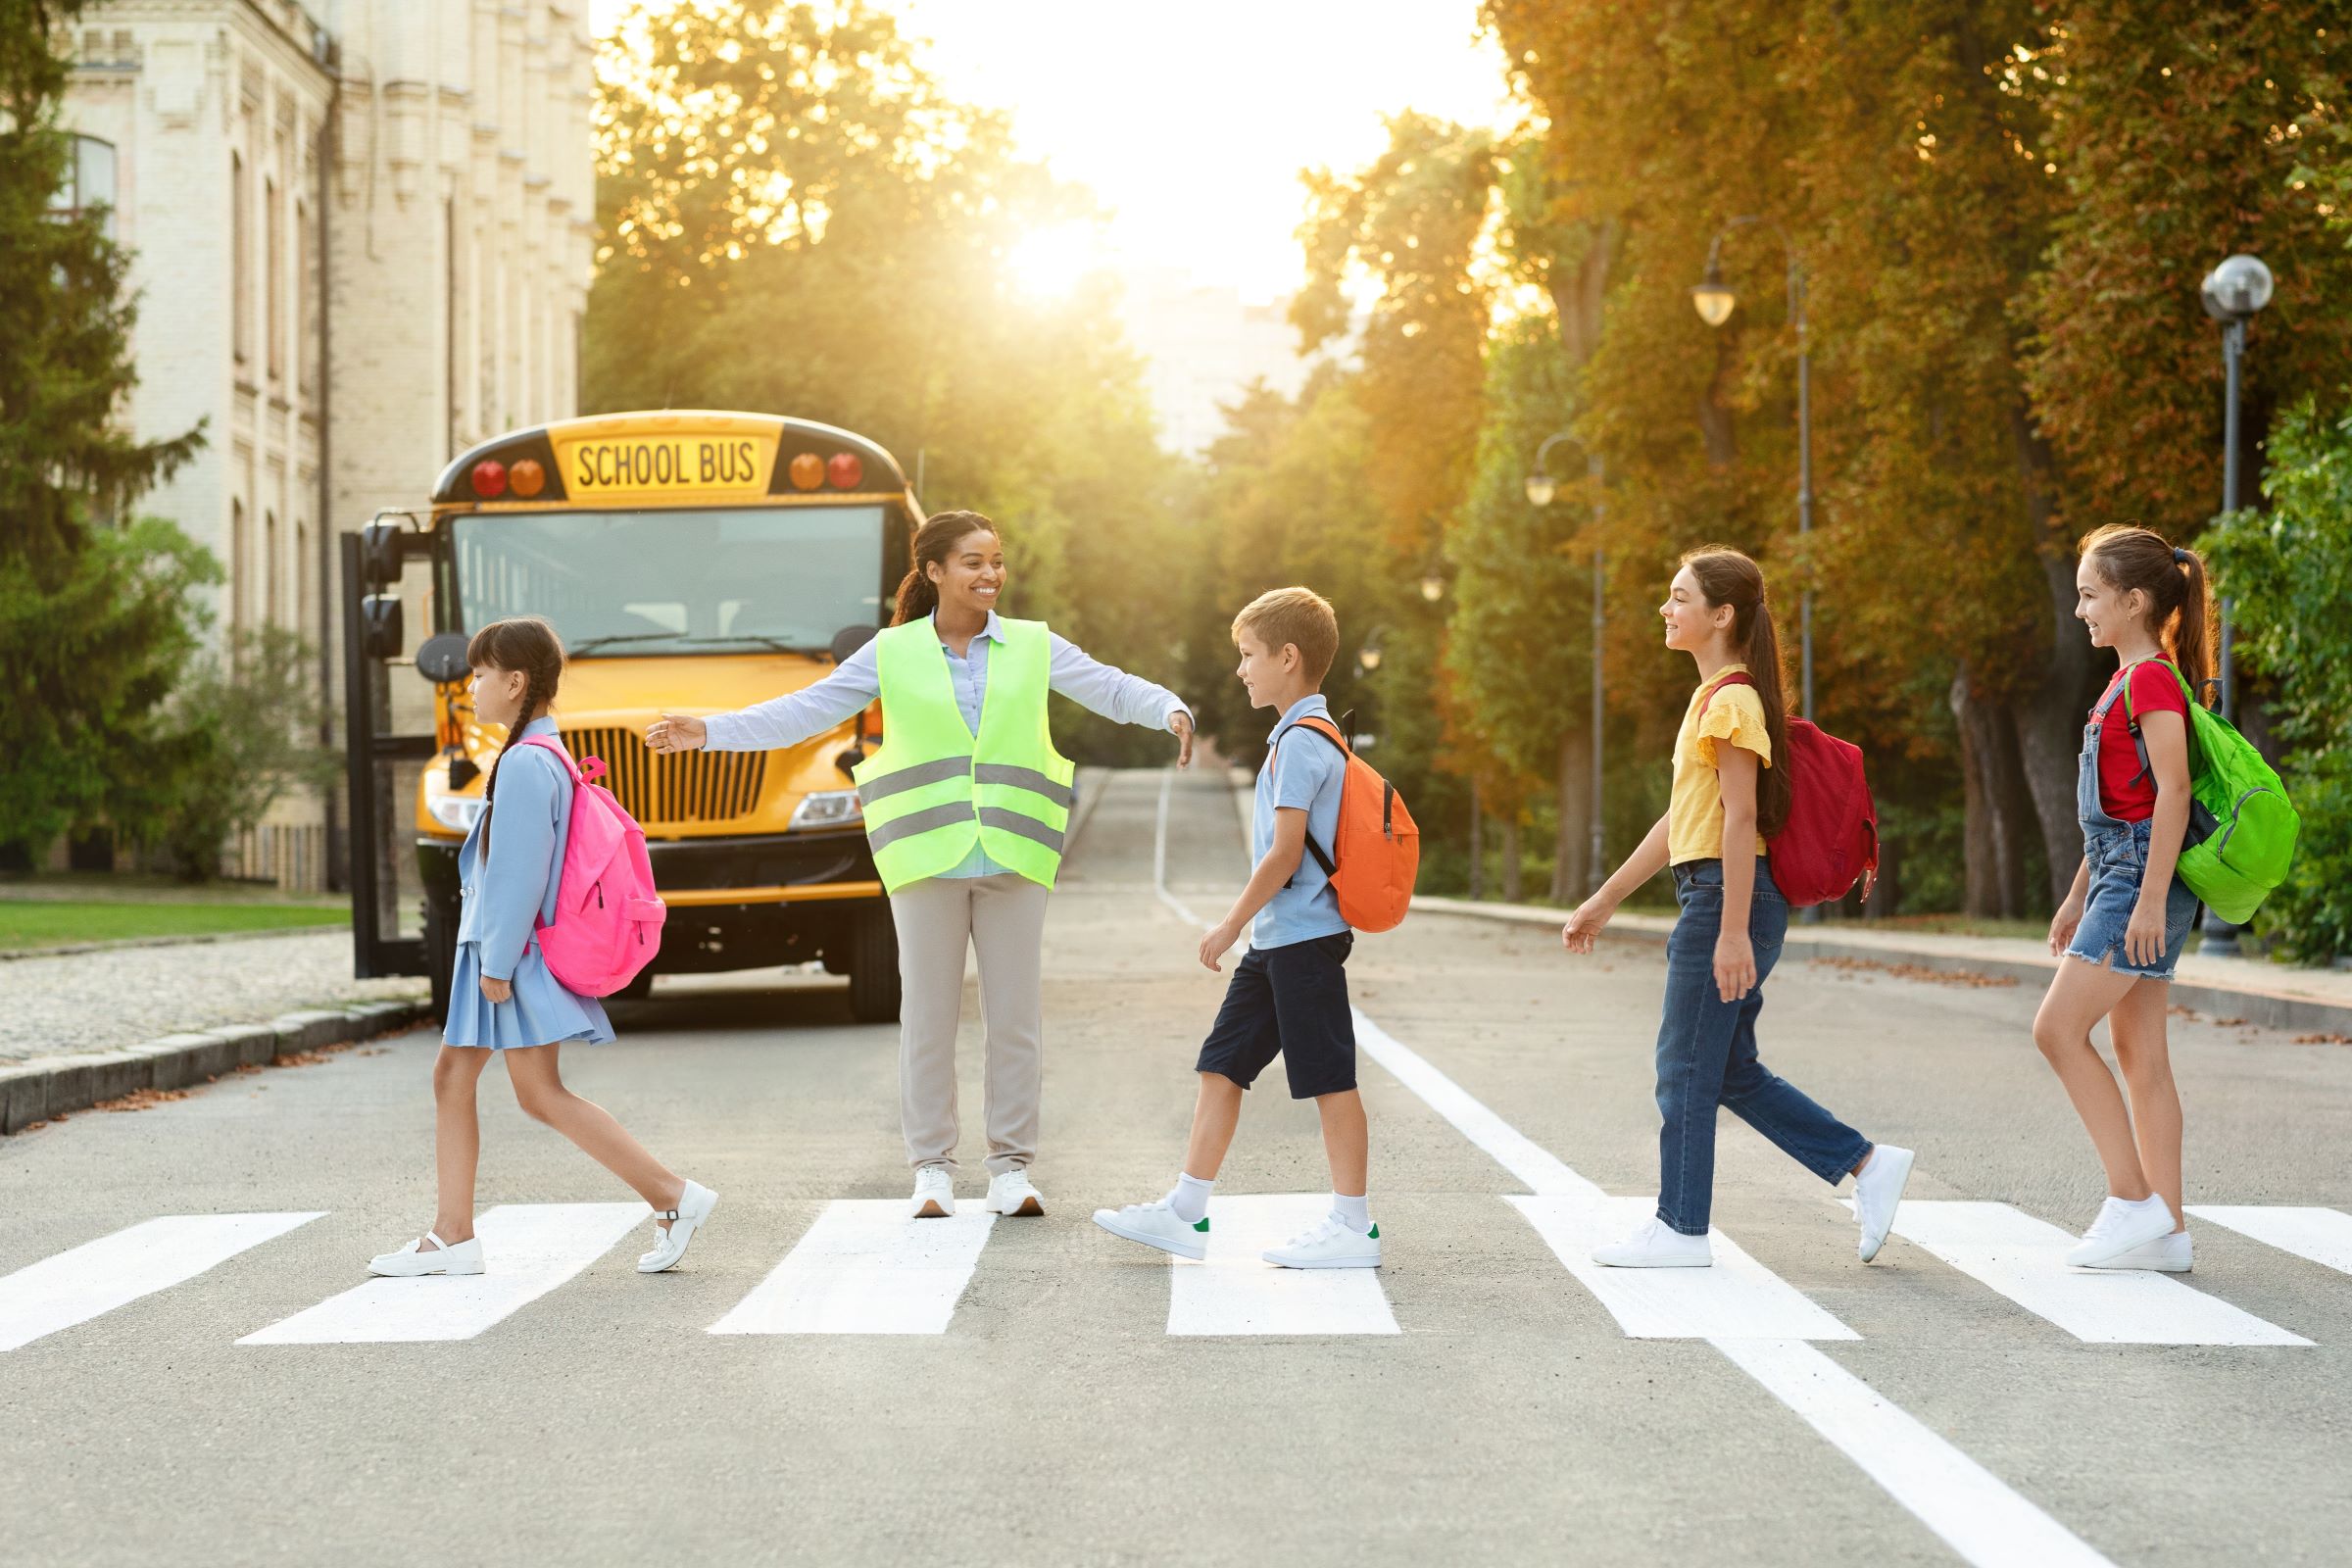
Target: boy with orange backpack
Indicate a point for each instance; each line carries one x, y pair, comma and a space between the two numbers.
1334, 846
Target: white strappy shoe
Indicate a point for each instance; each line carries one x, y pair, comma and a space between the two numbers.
694, 1209
413, 1262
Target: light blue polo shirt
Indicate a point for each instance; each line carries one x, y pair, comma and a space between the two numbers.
1302, 772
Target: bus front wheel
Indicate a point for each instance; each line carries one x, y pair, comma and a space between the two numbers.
874, 967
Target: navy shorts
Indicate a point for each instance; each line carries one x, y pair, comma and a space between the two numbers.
1289, 1002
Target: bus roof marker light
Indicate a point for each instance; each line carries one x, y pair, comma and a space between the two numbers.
489, 479
845, 470
807, 471
527, 477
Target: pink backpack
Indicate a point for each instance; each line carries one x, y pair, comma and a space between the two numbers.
608, 923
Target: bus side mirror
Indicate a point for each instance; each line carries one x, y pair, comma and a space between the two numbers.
849, 640
381, 630
441, 658
381, 554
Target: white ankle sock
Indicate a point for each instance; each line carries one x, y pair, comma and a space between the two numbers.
1189, 1198
1355, 1212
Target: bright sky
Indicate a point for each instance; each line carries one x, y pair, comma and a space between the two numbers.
1190, 123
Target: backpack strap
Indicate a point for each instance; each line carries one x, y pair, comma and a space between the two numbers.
1330, 732
1737, 677
587, 772
2147, 769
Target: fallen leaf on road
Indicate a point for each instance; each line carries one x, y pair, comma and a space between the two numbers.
1920, 972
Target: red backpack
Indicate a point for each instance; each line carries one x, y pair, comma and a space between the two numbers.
1376, 853
1831, 840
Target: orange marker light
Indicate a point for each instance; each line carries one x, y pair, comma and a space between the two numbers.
489, 479
845, 470
527, 477
807, 471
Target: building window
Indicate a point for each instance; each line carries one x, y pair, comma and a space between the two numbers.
302, 576
273, 254
238, 599
270, 565
89, 183
305, 330
239, 262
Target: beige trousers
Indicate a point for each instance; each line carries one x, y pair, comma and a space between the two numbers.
939, 920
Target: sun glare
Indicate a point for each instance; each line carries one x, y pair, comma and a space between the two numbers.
1049, 263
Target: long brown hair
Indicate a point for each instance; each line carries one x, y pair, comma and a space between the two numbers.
919, 595
2173, 579
530, 644
1727, 578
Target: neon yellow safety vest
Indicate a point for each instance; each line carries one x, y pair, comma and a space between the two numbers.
934, 789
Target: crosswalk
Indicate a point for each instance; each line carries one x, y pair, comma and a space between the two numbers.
864, 1268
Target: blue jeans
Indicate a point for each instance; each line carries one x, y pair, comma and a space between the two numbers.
1707, 1055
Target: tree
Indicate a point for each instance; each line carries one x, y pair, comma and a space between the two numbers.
94, 621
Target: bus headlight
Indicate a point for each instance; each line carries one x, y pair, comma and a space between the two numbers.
827, 809
458, 813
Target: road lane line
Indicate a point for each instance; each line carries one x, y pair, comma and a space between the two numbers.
2324, 1235
866, 1268
528, 1250
1160, 856
1966, 1505
2025, 1259
97, 1277
1737, 1299
1235, 1290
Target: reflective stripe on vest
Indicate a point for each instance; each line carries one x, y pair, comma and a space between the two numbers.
933, 790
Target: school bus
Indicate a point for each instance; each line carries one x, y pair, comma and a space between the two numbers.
693, 562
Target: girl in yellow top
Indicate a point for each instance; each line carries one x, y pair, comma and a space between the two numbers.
1728, 796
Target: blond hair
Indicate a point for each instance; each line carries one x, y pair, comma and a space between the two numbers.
1298, 616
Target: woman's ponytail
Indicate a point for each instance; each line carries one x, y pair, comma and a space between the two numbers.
1726, 576
934, 541
2172, 577
2192, 637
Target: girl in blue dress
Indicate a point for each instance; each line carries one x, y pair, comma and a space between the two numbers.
503, 1001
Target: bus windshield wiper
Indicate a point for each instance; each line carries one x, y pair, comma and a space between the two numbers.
762, 639
624, 637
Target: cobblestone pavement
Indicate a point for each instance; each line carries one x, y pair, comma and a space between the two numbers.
104, 1001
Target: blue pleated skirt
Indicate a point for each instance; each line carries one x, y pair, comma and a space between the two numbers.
540, 1012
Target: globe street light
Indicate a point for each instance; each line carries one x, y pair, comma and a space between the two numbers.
2234, 293
1714, 300
1541, 487
1433, 585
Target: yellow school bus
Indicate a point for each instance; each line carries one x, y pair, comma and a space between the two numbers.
693, 562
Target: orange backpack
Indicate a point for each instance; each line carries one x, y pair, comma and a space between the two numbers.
1377, 852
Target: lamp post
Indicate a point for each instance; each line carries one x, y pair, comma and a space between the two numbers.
1542, 486
1714, 300
2234, 293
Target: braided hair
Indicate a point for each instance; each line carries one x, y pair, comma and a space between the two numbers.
530, 644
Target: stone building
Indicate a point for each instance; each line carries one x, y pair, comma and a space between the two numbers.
361, 240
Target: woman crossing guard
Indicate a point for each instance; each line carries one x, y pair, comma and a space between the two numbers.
1729, 794
965, 806
502, 998
2125, 921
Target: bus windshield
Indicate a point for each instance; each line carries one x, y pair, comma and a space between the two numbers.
659, 582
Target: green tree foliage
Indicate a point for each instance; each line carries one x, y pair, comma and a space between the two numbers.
93, 621
799, 221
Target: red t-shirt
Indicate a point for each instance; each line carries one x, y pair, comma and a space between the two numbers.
2123, 794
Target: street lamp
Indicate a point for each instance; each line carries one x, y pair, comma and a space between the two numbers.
1541, 487
2234, 293
1714, 300
1367, 658
1433, 585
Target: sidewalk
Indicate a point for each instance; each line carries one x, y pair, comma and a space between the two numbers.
2273, 996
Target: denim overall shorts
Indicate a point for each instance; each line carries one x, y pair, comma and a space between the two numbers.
2117, 853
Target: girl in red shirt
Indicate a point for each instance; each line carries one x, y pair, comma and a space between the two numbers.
2126, 920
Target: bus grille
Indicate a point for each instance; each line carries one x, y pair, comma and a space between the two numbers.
699, 786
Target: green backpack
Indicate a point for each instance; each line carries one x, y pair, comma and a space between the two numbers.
2241, 828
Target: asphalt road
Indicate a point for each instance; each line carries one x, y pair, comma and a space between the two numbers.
1475, 1402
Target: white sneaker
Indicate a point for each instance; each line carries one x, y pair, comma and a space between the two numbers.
2121, 1227
1010, 1192
693, 1210
934, 1193
2166, 1255
1334, 1244
1157, 1225
1876, 1191
1656, 1244
412, 1263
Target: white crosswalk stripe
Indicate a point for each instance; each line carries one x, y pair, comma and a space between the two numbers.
2025, 1259
2321, 1235
1235, 1290
1737, 1299
866, 1268
116, 1270
528, 1250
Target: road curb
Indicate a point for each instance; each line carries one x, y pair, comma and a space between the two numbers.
73, 950
2269, 1006
53, 1086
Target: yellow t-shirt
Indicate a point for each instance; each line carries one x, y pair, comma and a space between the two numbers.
1694, 808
